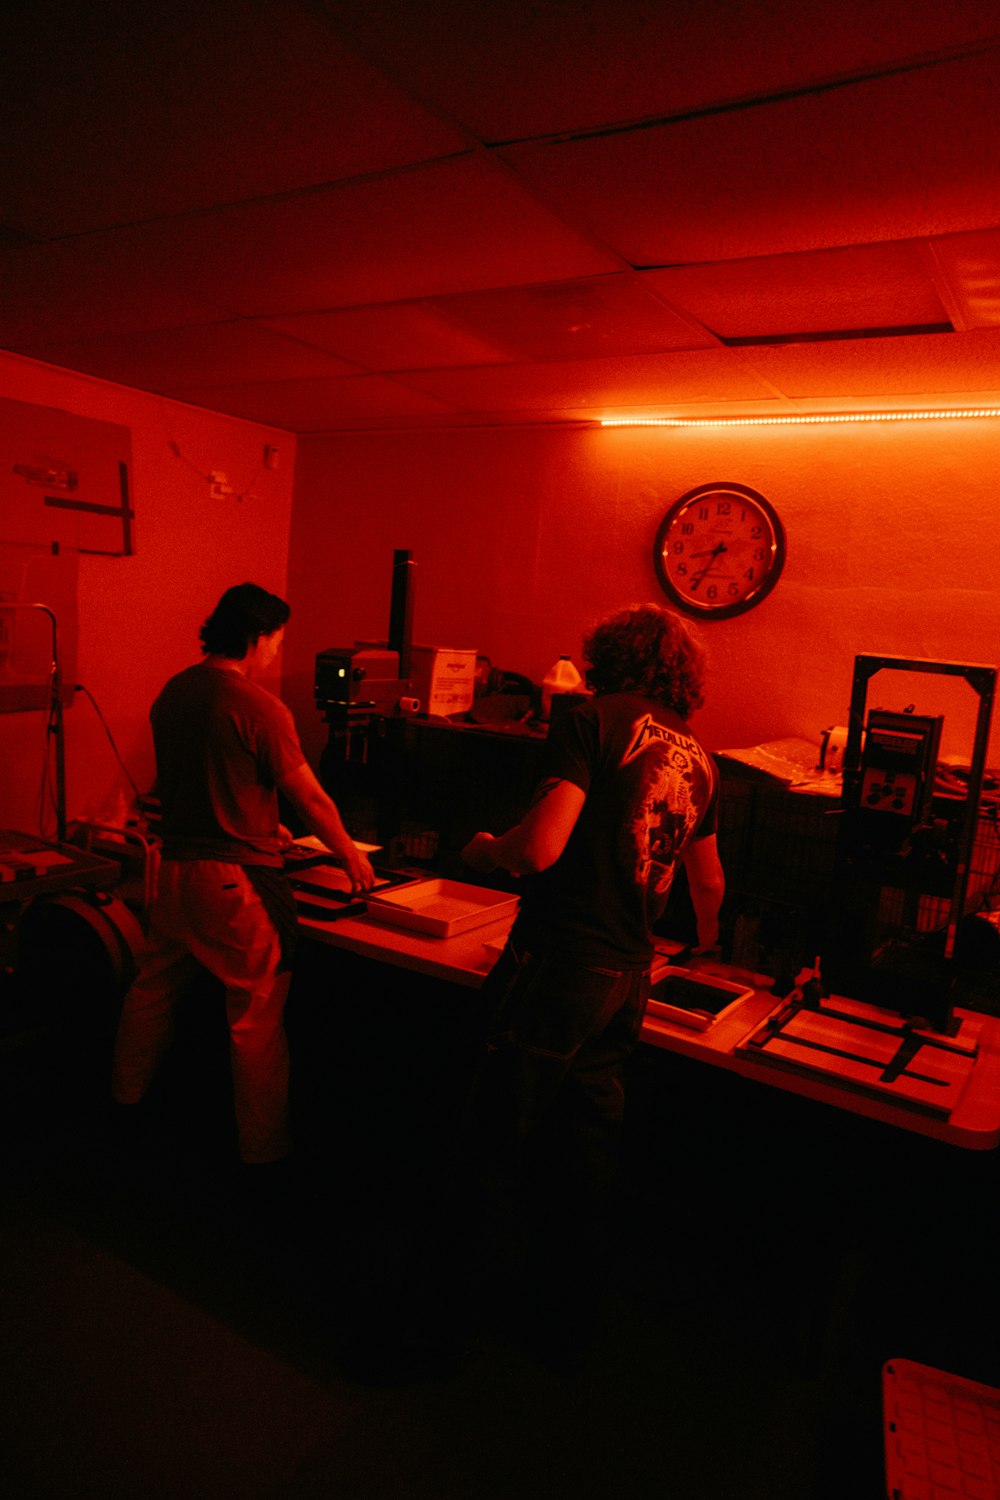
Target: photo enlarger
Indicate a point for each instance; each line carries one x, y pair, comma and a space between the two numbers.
914, 857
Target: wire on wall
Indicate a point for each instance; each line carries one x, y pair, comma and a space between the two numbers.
217, 481
81, 688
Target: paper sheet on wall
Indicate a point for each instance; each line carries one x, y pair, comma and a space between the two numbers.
64, 479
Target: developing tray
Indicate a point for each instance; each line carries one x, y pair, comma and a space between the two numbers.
330, 880
691, 998
440, 908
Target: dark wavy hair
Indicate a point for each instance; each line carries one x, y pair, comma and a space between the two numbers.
649, 650
243, 614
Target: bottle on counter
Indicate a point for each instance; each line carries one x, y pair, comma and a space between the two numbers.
560, 678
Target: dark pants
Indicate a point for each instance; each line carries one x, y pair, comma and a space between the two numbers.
546, 1116
529, 1185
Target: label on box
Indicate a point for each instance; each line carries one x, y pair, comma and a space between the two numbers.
443, 679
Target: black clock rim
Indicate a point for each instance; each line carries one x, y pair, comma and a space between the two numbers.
723, 611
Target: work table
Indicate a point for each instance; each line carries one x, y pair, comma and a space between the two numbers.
466, 959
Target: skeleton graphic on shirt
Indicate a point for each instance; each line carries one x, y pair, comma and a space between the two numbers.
673, 785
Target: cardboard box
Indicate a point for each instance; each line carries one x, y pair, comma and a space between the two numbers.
443, 679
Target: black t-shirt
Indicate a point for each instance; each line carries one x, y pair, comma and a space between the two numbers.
651, 787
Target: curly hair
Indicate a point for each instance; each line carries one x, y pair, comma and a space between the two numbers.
649, 650
243, 614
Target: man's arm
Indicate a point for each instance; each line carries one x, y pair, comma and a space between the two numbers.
707, 884
538, 840
321, 817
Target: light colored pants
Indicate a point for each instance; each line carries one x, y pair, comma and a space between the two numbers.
207, 913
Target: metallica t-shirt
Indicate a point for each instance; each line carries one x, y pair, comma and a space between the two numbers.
651, 787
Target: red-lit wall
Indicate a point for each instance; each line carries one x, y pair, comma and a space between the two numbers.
139, 616
522, 537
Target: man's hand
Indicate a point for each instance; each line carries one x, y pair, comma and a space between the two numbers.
478, 853
285, 837
321, 817
357, 867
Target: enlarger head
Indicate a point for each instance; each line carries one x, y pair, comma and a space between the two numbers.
907, 872
354, 684
361, 678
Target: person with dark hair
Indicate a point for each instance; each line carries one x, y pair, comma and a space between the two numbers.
224, 748
243, 614
628, 794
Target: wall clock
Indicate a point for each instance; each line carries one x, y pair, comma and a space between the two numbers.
719, 550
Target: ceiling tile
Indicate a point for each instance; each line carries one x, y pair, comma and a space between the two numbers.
454, 226
392, 336
803, 174
13, 239
526, 69
926, 365
296, 191
79, 290
593, 317
701, 375
223, 353
598, 317
970, 267
315, 405
194, 105
339, 420
868, 286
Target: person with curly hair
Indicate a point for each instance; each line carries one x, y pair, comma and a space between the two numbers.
628, 794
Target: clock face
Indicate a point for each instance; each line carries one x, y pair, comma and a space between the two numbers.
719, 550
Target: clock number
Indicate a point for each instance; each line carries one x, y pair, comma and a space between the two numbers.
687, 527
681, 570
756, 531
677, 547
749, 574
703, 513
723, 508
759, 554
711, 592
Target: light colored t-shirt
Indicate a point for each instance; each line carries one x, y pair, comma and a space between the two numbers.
222, 745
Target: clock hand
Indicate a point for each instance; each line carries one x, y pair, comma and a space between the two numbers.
716, 552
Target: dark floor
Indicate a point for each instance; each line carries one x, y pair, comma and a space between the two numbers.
166, 1335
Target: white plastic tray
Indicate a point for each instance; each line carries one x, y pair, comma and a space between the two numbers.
440, 907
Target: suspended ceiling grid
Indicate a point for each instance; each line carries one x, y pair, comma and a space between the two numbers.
328, 215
